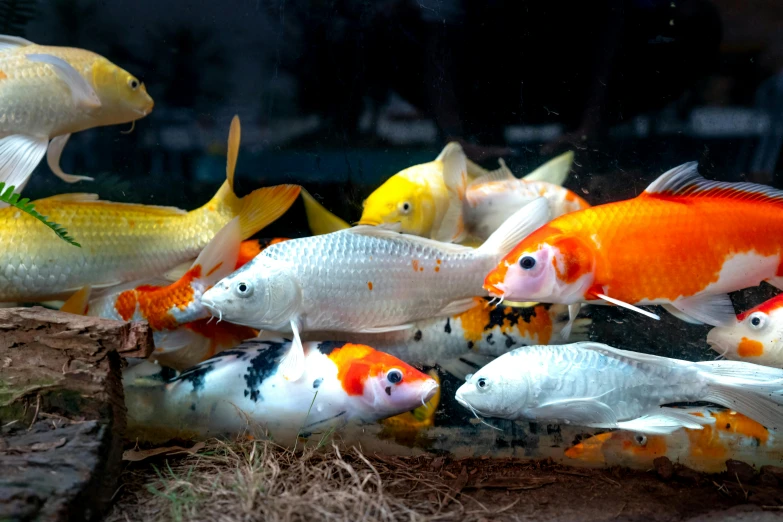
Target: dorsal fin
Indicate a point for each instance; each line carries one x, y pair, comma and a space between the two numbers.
73, 197
234, 137
12, 42
500, 174
685, 180
554, 171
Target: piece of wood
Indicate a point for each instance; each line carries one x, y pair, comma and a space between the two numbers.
62, 411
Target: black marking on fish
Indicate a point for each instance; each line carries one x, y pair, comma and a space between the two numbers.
193, 406
328, 347
417, 337
388, 391
447, 329
196, 375
498, 314
317, 382
510, 342
470, 345
490, 341
263, 365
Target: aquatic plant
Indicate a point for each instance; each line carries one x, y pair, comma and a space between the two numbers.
7, 195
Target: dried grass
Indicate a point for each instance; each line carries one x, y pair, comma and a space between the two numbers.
258, 480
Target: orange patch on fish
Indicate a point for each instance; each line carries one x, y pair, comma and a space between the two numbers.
126, 304
437, 269
352, 368
221, 334
750, 348
251, 248
214, 269
369, 285
572, 262
3, 75
483, 318
415, 264
767, 307
734, 422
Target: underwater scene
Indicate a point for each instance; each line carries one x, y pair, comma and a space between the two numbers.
455, 228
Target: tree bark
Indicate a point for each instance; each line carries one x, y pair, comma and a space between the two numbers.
62, 411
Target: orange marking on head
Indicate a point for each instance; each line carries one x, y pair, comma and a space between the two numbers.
126, 304
750, 348
214, 269
369, 285
767, 307
357, 362
734, 422
572, 261
528, 245
590, 450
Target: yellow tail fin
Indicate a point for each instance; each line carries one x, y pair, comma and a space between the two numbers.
259, 208
320, 220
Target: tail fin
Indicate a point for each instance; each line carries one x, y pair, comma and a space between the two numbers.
259, 208
554, 171
752, 390
79, 302
320, 220
521, 224
455, 177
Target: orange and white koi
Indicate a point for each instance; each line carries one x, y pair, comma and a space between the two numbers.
757, 335
122, 242
707, 448
342, 382
684, 243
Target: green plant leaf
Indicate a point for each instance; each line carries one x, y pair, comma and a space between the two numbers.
7, 195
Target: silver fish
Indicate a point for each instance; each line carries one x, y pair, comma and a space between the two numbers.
223, 395
364, 279
595, 385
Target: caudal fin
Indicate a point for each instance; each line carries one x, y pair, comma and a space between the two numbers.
753, 390
259, 208
522, 223
320, 220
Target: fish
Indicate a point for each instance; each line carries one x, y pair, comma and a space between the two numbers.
756, 336
709, 447
684, 243
437, 200
489, 200
460, 342
364, 279
244, 387
182, 334
122, 242
48, 93
595, 385
320, 220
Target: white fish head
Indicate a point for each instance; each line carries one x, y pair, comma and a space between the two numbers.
499, 389
557, 272
756, 337
263, 294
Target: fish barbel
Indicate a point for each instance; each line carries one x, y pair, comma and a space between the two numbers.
341, 382
49, 92
364, 279
121, 242
595, 385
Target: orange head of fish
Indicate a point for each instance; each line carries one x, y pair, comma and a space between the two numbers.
383, 383
756, 336
547, 266
620, 445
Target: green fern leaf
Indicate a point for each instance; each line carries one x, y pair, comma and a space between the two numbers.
7, 195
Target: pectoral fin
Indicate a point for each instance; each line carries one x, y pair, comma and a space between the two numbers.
83, 94
582, 412
628, 306
292, 366
680, 315
78, 302
667, 421
573, 312
53, 155
714, 310
19, 155
384, 329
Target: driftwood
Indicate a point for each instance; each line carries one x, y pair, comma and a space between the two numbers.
62, 412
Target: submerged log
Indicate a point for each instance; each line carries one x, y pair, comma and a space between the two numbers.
62, 412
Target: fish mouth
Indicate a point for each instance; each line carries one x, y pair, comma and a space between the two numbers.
430, 389
213, 309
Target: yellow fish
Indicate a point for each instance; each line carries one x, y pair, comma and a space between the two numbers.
48, 93
122, 242
429, 200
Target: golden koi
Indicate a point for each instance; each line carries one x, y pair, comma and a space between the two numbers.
48, 93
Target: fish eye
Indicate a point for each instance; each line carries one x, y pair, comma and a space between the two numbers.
133, 83
243, 289
394, 376
527, 262
758, 320
640, 439
482, 384
405, 207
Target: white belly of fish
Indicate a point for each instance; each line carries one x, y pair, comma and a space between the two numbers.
352, 282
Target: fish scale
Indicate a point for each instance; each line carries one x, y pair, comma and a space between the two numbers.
341, 271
